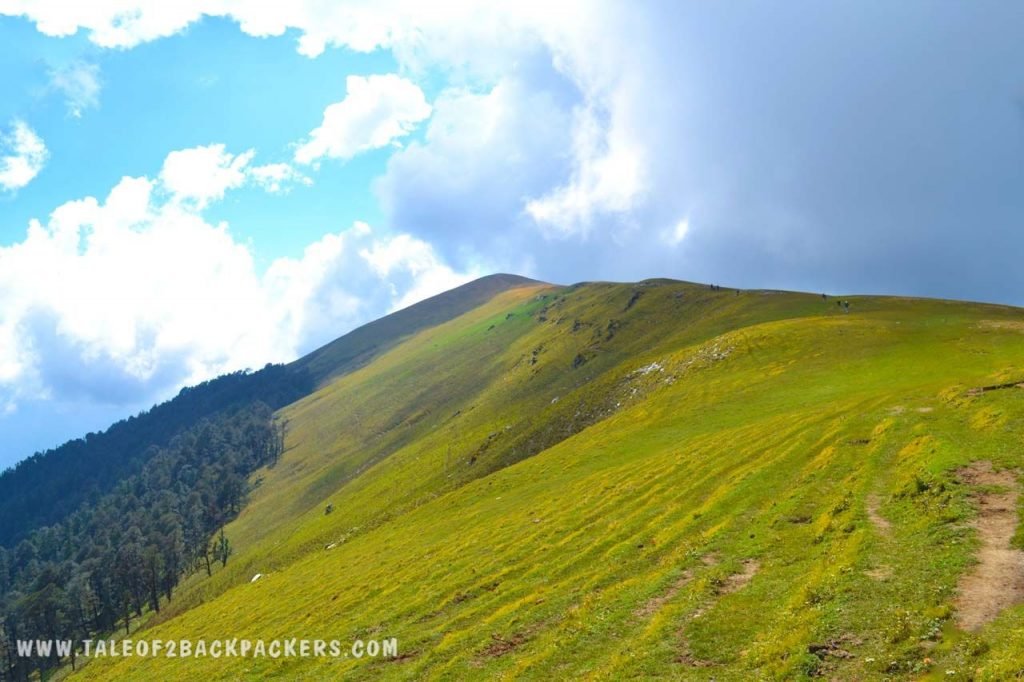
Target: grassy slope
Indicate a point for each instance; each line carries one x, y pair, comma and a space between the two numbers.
362, 345
496, 530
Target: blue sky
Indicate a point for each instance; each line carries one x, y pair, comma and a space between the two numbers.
209, 84
193, 188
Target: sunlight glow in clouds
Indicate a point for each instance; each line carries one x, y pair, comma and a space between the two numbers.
677, 234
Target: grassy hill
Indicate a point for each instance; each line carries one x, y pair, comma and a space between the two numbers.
645, 480
361, 345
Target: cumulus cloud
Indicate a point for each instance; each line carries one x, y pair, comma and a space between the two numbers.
204, 174
79, 82
377, 111
200, 175
22, 156
125, 298
593, 48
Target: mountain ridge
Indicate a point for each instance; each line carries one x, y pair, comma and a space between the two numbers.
660, 475
49, 485
365, 342
671, 479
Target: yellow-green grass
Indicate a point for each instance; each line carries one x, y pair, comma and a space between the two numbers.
609, 506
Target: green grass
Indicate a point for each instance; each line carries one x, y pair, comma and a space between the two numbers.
505, 514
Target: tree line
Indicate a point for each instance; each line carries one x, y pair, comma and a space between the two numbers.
127, 550
48, 486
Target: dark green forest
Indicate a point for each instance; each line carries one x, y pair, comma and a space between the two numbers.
48, 486
110, 559
97, 530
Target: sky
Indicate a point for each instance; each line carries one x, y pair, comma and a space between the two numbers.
203, 186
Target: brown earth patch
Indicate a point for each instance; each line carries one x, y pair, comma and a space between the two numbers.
834, 648
877, 520
654, 604
997, 581
737, 581
500, 645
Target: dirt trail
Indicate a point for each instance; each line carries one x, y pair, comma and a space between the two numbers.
654, 604
997, 581
877, 520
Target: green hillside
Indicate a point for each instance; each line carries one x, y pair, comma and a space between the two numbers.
361, 345
634, 481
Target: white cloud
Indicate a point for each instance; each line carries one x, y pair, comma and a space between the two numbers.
204, 174
23, 156
600, 48
110, 23
200, 175
349, 277
128, 298
377, 111
417, 260
277, 177
79, 82
607, 178
361, 25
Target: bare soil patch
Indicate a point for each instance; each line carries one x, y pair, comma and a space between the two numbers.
877, 520
500, 645
654, 604
997, 581
710, 559
835, 647
737, 581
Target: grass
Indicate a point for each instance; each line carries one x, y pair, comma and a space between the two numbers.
691, 500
